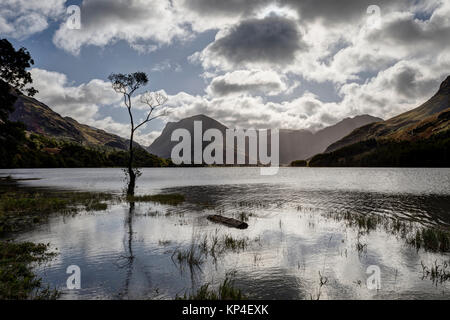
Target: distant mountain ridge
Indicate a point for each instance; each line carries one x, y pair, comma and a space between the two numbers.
303, 144
41, 119
294, 144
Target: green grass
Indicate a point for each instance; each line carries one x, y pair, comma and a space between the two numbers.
17, 280
173, 199
21, 208
34, 202
226, 291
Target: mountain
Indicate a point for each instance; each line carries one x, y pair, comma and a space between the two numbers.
162, 146
404, 126
40, 119
303, 144
419, 137
294, 144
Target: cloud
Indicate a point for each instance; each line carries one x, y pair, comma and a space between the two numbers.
362, 51
405, 30
166, 65
147, 139
80, 102
331, 12
143, 48
306, 112
105, 22
22, 18
273, 40
397, 89
248, 82
226, 8
203, 15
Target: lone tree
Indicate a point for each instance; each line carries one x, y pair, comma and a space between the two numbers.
127, 84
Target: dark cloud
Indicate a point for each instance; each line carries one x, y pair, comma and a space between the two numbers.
410, 83
98, 12
410, 32
226, 7
222, 87
272, 39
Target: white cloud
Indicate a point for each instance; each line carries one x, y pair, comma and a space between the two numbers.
401, 37
253, 112
394, 90
264, 82
166, 65
22, 18
397, 89
80, 102
105, 22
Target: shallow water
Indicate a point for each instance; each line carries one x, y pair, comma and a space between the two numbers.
291, 236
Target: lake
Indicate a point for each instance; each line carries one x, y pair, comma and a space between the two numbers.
298, 236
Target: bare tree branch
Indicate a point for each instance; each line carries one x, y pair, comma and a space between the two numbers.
153, 100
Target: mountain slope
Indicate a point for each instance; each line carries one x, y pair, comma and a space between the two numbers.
39, 118
294, 144
401, 126
417, 138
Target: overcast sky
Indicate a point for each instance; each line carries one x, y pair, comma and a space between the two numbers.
253, 63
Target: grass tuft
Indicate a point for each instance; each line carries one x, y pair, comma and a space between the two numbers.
17, 281
226, 291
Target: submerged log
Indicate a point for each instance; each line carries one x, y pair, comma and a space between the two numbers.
230, 222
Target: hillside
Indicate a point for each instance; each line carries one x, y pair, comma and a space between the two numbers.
419, 137
38, 137
402, 127
40, 119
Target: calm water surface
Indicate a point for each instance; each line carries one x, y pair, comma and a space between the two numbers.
292, 235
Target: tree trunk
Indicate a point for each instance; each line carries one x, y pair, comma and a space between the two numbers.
131, 174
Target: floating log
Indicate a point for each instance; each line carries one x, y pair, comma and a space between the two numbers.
230, 222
